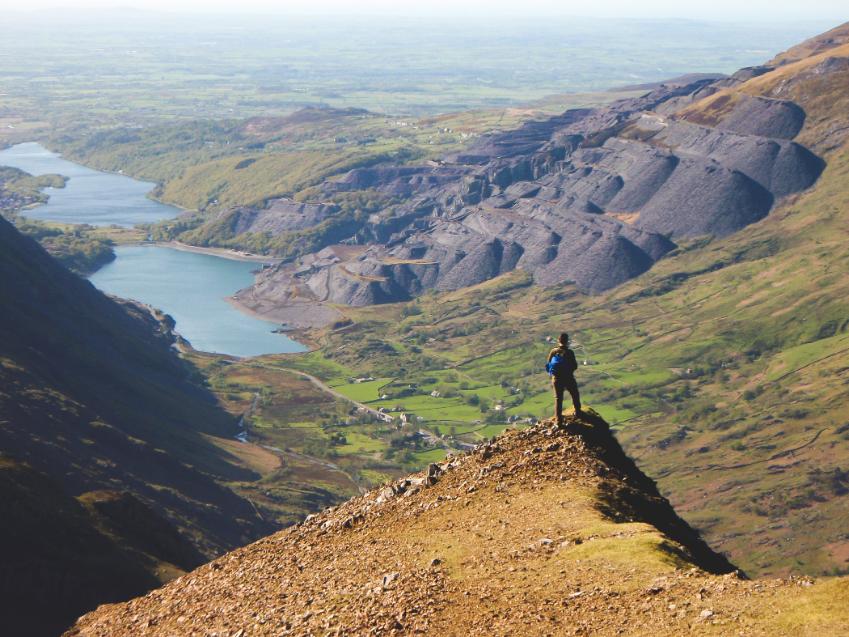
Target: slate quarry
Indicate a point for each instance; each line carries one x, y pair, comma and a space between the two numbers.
591, 197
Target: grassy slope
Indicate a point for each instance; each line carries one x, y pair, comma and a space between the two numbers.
751, 442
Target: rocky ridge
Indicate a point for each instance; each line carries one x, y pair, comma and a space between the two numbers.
550, 530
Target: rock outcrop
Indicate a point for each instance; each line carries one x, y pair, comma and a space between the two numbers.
281, 215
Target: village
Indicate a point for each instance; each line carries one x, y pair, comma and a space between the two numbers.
420, 431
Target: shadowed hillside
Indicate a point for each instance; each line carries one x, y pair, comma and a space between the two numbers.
99, 416
62, 555
545, 531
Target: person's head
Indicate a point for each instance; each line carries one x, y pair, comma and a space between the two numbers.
564, 339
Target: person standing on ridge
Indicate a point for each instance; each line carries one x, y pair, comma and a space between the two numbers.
561, 367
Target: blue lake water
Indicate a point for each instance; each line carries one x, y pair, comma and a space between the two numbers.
191, 287
89, 196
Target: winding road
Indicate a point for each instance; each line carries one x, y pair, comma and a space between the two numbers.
429, 435
328, 389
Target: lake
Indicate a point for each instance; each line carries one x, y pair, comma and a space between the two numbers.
89, 196
192, 288
189, 286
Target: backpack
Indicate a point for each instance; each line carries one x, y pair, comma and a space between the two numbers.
556, 366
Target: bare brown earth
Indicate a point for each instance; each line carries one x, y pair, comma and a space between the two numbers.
547, 531
823, 42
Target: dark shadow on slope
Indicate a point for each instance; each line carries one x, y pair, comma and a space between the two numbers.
636, 497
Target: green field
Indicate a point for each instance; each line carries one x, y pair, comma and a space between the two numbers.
365, 392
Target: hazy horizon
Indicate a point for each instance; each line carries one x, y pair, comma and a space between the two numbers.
213, 65
764, 11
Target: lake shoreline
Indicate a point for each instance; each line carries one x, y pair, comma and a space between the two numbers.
293, 333
90, 196
296, 334
190, 288
195, 289
224, 253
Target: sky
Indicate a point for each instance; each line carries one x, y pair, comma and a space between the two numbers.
836, 11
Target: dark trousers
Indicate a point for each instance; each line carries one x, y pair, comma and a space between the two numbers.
565, 384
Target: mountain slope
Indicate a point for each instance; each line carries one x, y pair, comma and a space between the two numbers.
772, 318
592, 197
94, 398
813, 46
724, 366
62, 555
546, 531
725, 369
